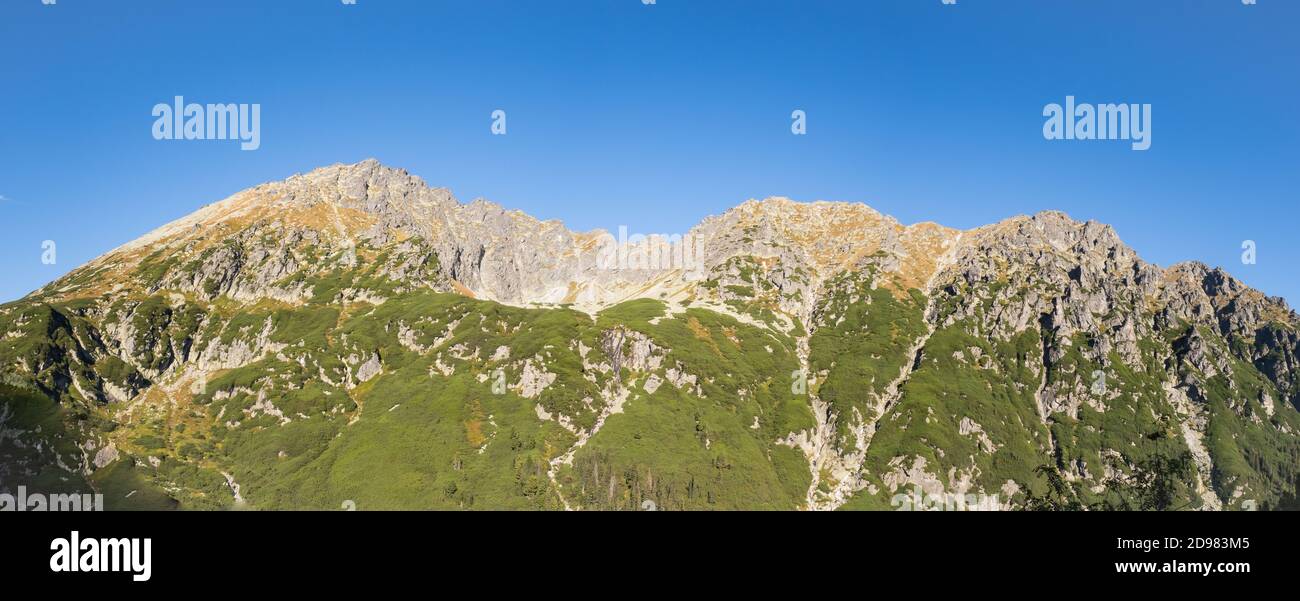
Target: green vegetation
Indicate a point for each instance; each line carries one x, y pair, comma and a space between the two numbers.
861, 343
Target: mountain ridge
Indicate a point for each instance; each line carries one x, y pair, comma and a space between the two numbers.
272, 347
349, 178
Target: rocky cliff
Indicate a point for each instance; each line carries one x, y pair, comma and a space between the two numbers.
352, 334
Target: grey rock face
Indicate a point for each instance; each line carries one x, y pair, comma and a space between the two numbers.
1043, 271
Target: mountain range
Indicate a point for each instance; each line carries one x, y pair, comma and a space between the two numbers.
352, 337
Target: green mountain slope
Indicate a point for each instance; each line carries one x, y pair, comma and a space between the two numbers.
353, 338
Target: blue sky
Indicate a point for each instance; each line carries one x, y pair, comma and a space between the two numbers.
655, 116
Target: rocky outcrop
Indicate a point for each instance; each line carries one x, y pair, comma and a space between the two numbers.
1040, 312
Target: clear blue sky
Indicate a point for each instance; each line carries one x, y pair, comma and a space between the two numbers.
655, 116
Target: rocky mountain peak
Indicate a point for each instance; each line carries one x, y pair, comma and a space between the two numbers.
492, 252
352, 301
